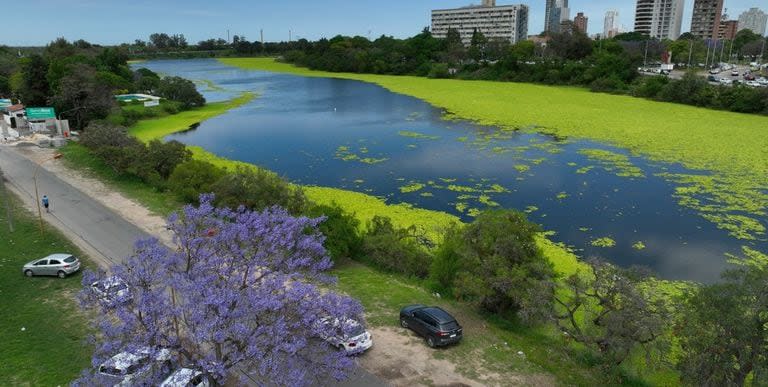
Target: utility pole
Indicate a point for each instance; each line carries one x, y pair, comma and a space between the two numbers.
762, 52
645, 57
730, 52
706, 60
290, 35
228, 41
690, 54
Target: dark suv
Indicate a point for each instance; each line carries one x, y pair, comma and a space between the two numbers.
437, 326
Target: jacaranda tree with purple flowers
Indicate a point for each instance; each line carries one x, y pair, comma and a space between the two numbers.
240, 289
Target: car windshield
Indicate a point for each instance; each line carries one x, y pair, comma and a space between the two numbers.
110, 370
70, 259
354, 330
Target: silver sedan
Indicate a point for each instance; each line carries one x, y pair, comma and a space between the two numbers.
59, 265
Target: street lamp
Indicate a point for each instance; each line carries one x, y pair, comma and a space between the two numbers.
37, 195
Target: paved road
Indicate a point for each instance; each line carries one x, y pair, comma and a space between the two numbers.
96, 229
102, 233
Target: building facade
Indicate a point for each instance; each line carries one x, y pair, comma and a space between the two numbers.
705, 23
754, 20
556, 12
660, 19
611, 24
580, 22
728, 29
505, 22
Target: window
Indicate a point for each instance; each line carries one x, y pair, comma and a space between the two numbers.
41, 262
70, 259
54, 262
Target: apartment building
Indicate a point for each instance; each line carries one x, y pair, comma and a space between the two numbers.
660, 19
504, 22
705, 23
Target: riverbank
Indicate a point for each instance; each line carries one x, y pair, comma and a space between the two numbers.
728, 152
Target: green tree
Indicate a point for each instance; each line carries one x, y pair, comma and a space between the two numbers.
192, 178
81, 97
724, 335
341, 231
33, 89
612, 311
257, 189
181, 90
477, 45
394, 249
502, 267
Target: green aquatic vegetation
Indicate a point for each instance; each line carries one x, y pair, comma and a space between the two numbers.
531, 209
572, 164
522, 168
371, 160
585, 170
474, 212
500, 150
603, 242
411, 146
427, 194
537, 161
412, 187
496, 188
466, 197
585, 229
447, 180
463, 139
359, 181
485, 199
562, 196
639, 245
613, 162
363, 150
739, 226
408, 133
461, 188
461, 206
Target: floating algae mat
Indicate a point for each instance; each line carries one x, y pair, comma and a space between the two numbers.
601, 200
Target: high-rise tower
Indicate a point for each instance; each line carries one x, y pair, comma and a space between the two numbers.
660, 19
705, 23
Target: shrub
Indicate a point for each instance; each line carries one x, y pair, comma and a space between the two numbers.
500, 265
257, 189
650, 87
180, 90
394, 250
193, 177
446, 263
341, 230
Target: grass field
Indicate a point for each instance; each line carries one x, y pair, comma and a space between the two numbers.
732, 148
42, 331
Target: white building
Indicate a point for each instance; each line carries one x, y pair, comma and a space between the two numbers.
611, 25
755, 20
504, 22
660, 19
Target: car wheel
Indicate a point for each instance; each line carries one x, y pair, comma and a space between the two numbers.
29, 273
61, 274
403, 323
431, 342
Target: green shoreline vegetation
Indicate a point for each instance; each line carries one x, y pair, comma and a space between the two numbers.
733, 147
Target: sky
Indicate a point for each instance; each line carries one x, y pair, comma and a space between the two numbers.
37, 22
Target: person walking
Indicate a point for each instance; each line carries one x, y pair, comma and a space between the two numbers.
45, 203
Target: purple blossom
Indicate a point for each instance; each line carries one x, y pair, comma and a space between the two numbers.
239, 289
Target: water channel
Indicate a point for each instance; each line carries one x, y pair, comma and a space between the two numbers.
361, 137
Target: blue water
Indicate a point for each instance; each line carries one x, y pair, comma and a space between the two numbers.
302, 128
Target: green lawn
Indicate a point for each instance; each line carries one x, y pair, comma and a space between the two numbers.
734, 196
42, 331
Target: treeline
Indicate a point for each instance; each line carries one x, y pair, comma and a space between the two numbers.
712, 334
608, 65
80, 80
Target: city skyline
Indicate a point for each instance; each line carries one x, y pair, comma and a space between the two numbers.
112, 22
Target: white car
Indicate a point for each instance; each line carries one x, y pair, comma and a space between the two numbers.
60, 265
186, 377
348, 335
111, 290
136, 367
725, 81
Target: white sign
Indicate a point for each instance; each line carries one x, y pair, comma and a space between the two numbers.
154, 102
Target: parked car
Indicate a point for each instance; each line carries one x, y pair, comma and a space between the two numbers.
112, 290
726, 81
186, 377
348, 335
60, 265
136, 367
711, 78
749, 77
434, 324
714, 71
734, 73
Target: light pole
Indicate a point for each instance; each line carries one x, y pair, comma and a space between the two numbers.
37, 195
